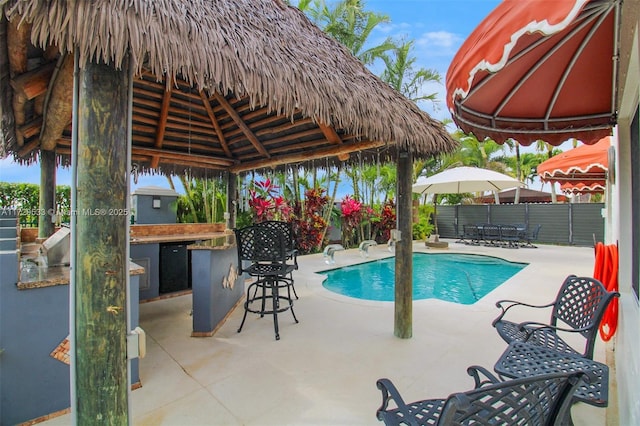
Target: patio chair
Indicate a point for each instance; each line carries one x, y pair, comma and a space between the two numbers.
580, 304
531, 237
265, 251
510, 236
537, 400
290, 242
491, 234
470, 234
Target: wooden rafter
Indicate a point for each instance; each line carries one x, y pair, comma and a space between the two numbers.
216, 125
59, 108
162, 123
305, 156
330, 134
28, 86
242, 125
173, 155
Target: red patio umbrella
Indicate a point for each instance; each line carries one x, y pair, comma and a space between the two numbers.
538, 70
579, 170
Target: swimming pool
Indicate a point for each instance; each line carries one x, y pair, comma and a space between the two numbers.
453, 277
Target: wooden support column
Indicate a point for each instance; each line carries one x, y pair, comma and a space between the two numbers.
232, 198
100, 242
404, 250
47, 203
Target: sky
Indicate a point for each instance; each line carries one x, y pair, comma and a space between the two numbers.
438, 28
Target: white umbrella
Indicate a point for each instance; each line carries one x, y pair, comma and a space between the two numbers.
463, 179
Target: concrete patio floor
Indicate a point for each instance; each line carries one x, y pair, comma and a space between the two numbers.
323, 370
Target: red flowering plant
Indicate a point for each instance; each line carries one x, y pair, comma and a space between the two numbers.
384, 222
352, 215
267, 203
309, 225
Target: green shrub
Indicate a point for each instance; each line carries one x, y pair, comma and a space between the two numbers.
423, 228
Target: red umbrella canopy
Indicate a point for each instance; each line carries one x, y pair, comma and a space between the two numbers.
538, 70
585, 165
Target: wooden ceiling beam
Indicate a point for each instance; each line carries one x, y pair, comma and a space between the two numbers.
59, 107
242, 125
162, 123
28, 147
27, 86
216, 125
172, 155
30, 129
337, 151
330, 134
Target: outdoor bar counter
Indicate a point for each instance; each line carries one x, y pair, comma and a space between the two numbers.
31, 296
197, 256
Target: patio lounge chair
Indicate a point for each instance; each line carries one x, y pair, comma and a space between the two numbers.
538, 400
580, 304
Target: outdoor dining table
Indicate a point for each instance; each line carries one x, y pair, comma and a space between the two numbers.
526, 359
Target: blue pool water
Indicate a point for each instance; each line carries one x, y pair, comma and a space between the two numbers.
458, 278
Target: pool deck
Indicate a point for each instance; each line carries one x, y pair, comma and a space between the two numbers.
323, 370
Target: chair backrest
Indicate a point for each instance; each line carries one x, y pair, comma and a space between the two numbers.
470, 231
285, 227
581, 303
509, 232
260, 244
535, 232
537, 400
491, 232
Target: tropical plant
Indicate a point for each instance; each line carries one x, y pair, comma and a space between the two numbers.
383, 222
348, 22
352, 213
423, 228
309, 225
400, 74
204, 200
267, 203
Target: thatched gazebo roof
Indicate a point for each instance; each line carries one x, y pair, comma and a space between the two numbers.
221, 85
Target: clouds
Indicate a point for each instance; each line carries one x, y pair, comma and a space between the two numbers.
443, 43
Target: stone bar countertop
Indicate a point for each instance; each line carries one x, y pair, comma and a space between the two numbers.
33, 276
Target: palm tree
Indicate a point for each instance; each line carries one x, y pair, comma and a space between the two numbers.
400, 74
350, 24
487, 154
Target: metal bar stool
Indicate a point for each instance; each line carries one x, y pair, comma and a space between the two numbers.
265, 250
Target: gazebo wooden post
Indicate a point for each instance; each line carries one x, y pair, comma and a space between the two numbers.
100, 246
232, 198
47, 201
404, 250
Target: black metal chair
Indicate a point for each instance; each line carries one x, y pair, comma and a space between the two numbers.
290, 242
531, 237
510, 236
538, 400
491, 234
264, 249
470, 234
580, 304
